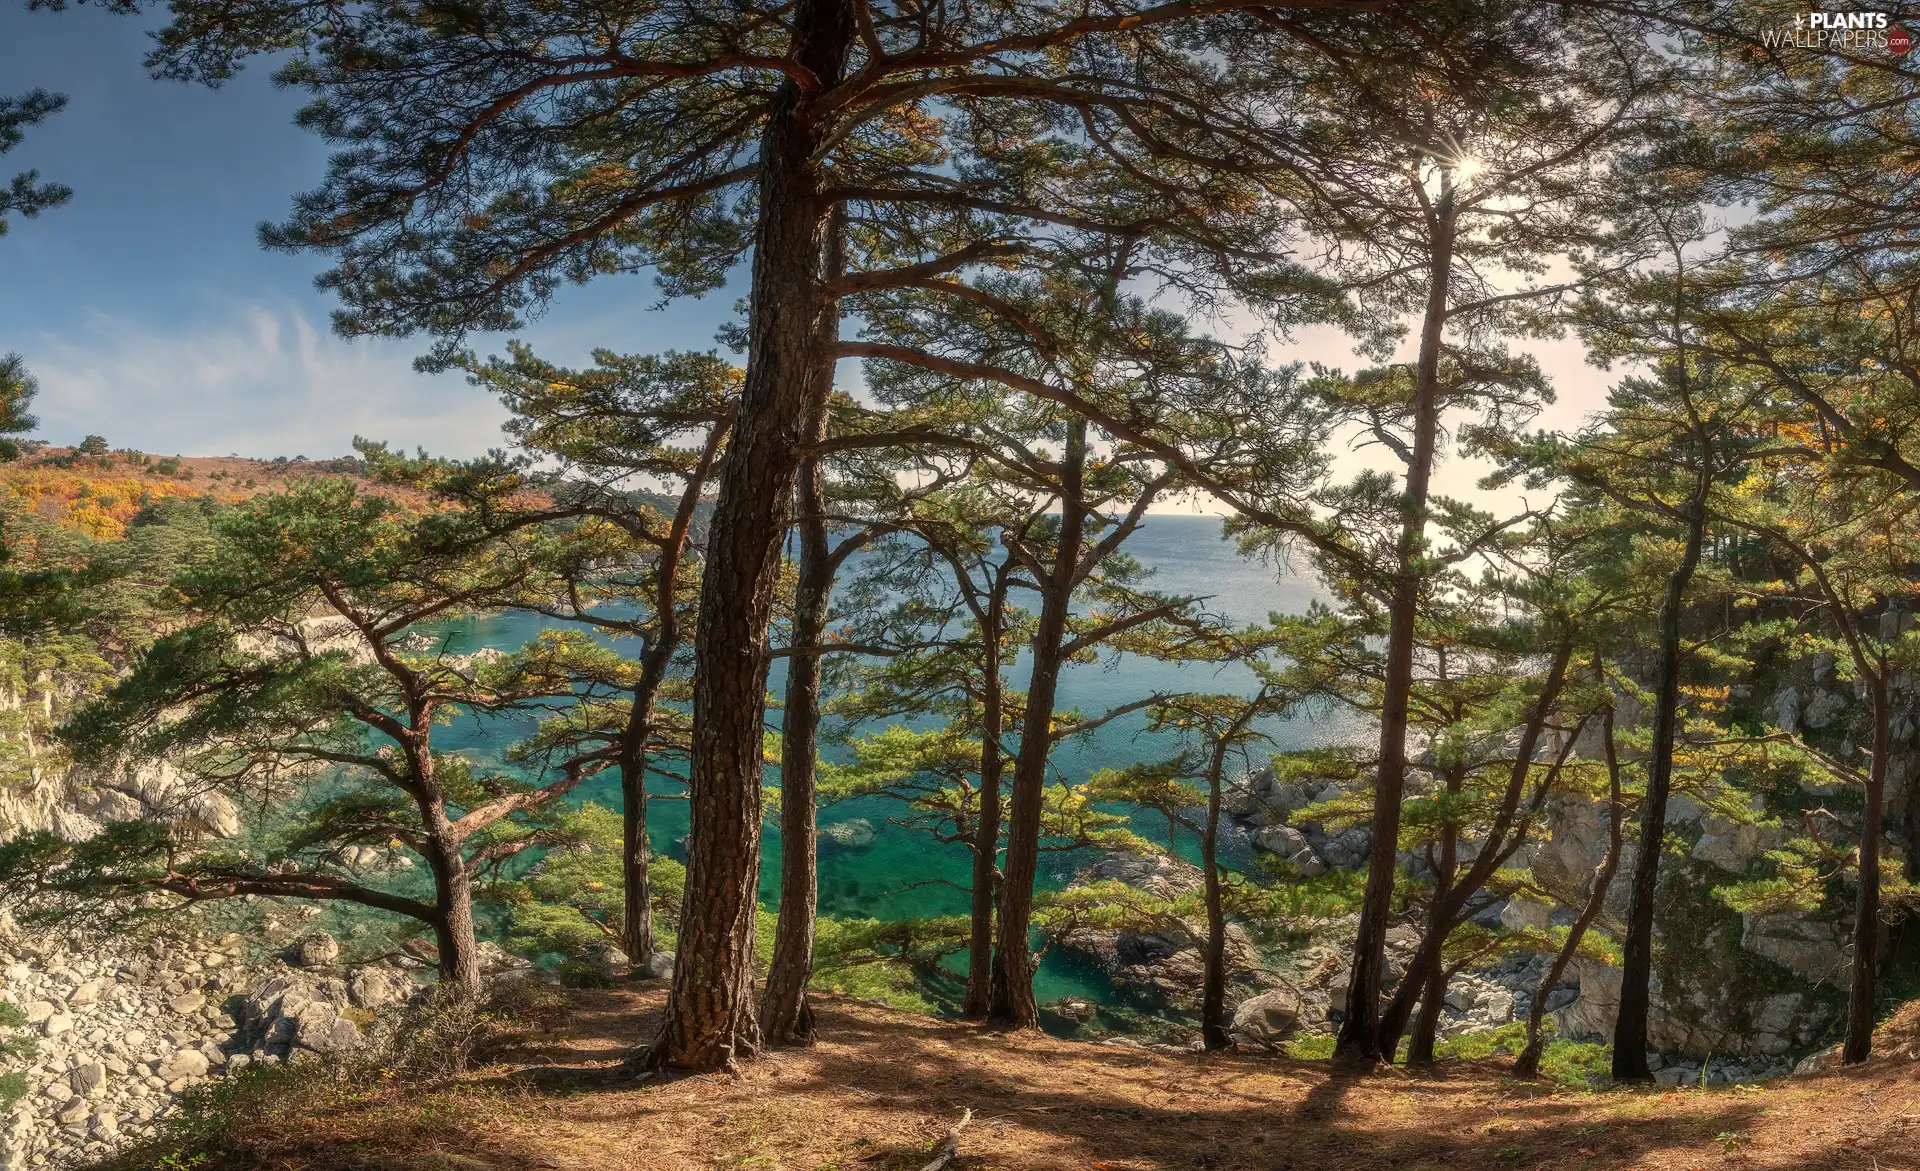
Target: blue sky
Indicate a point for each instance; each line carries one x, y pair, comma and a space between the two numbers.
151, 315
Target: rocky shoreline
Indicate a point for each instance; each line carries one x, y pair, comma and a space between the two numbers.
122, 1028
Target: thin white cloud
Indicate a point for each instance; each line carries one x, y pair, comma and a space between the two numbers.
260, 380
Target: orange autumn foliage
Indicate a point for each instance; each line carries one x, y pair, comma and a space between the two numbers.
98, 503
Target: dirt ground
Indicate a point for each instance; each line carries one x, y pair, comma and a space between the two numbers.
882, 1090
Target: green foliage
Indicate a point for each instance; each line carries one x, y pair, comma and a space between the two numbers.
25, 194
901, 963
17, 388
16, 1045
572, 901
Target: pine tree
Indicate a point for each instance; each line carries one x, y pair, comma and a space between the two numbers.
1851, 536
1430, 193
25, 194
1132, 407
638, 441
329, 721
492, 156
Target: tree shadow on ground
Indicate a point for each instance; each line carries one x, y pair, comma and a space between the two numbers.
883, 1088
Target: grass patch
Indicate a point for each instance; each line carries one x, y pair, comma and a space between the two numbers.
1573, 1063
1313, 1047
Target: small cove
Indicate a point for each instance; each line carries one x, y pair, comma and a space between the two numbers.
905, 873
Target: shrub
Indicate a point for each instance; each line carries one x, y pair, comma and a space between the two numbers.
439, 1034
15, 1045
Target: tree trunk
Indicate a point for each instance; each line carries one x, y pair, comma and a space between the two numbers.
1866, 907
1636, 969
636, 934
1213, 991
1359, 1032
1527, 1065
1013, 1004
636, 926
637, 921
986, 835
1453, 891
1433, 981
785, 1014
710, 1019
453, 900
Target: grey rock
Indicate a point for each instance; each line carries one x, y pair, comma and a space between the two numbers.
185, 1063
1823, 708
1786, 710
1345, 850
378, 987
1523, 914
1290, 844
1267, 1019
89, 992
855, 834
56, 1024
1159, 875
88, 1078
187, 1002
1812, 949
330, 1036
315, 950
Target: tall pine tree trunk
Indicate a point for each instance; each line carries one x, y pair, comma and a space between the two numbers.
1013, 1004
986, 833
1359, 1033
1528, 1063
1213, 989
1866, 907
710, 1016
785, 1014
637, 921
1636, 968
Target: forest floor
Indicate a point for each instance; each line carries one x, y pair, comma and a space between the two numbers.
882, 1089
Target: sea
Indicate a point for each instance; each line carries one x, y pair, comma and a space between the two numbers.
905, 873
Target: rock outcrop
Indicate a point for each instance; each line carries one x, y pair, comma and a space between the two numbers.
124, 1027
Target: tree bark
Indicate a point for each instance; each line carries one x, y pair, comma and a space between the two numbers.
452, 899
1213, 991
637, 920
1433, 989
986, 834
1359, 1037
1013, 1004
1528, 1063
785, 1015
710, 1018
1866, 907
1636, 969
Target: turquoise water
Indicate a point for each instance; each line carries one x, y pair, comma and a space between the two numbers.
1187, 557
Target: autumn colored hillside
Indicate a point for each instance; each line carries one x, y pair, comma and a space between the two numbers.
98, 492
884, 1089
